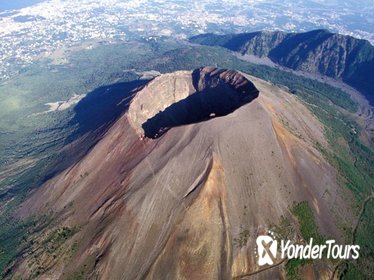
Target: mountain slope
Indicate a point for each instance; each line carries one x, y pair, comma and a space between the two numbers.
319, 51
190, 201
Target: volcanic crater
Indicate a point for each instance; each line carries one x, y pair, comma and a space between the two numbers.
174, 205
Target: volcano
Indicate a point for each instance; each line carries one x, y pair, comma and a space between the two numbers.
182, 183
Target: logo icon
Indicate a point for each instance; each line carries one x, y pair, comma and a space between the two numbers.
266, 249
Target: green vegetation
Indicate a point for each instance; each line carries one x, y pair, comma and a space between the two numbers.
25, 134
293, 266
13, 240
298, 50
286, 231
29, 139
15, 233
15, 236
308, 229
56, 238
311, 91
47, 249
352, 272
347, 153
194, 57
363, 266
308, 226
355, 162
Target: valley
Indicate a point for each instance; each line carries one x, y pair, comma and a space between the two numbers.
88, 178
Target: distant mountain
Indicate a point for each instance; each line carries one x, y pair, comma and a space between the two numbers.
319, 51
175, 177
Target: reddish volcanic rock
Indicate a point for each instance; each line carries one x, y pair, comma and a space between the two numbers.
176, 207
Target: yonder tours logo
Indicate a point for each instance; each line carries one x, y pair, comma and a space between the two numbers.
268, 251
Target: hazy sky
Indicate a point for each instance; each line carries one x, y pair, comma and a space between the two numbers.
17, 4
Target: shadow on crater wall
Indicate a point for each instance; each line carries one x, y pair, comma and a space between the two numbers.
211, 102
